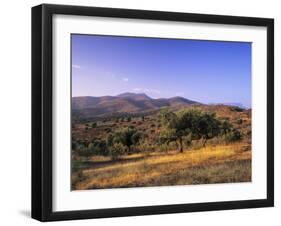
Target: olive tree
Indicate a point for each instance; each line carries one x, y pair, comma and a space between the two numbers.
127, 137
207, 126
177, 125
193, 123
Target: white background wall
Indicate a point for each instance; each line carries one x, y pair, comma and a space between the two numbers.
15, 113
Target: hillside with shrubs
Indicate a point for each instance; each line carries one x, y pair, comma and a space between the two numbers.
188, 143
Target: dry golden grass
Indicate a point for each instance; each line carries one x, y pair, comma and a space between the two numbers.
213, 164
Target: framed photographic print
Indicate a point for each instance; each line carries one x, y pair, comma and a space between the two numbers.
145, 112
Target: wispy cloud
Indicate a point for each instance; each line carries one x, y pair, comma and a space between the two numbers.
137, 89
146, 90
76, 66
124, 79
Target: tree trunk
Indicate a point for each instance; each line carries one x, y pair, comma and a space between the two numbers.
180, 144
204, 142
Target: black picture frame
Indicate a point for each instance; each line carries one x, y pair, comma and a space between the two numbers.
42, 111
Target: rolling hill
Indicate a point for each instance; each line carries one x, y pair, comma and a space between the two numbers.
88, 106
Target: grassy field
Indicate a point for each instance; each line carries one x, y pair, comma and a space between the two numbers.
212, 164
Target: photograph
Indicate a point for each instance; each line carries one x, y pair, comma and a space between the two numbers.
149, 111
145, 112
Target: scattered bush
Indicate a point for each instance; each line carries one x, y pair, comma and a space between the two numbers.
163, 147
75, 166
225, 127
239, 121
233, 135
179, 130
237, 109
143, 147
97, 147
116, 150
126, 136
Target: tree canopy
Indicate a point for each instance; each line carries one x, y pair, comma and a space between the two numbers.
194, 123
127, 137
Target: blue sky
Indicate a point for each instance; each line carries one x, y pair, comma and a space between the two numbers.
204, 71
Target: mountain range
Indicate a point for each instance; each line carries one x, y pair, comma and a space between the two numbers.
89, 106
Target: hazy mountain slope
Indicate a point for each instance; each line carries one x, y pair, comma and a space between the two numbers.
127, 102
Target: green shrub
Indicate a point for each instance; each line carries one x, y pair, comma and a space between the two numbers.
233, 135
97, 147
239, 121
75, 166
225, 127
163, 147
116, 150
143, 147
128, 137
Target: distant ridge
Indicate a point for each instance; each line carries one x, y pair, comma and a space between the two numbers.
233, 104
135, 96
240, 105
126, 102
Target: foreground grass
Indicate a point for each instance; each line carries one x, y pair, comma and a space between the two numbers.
217, 164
